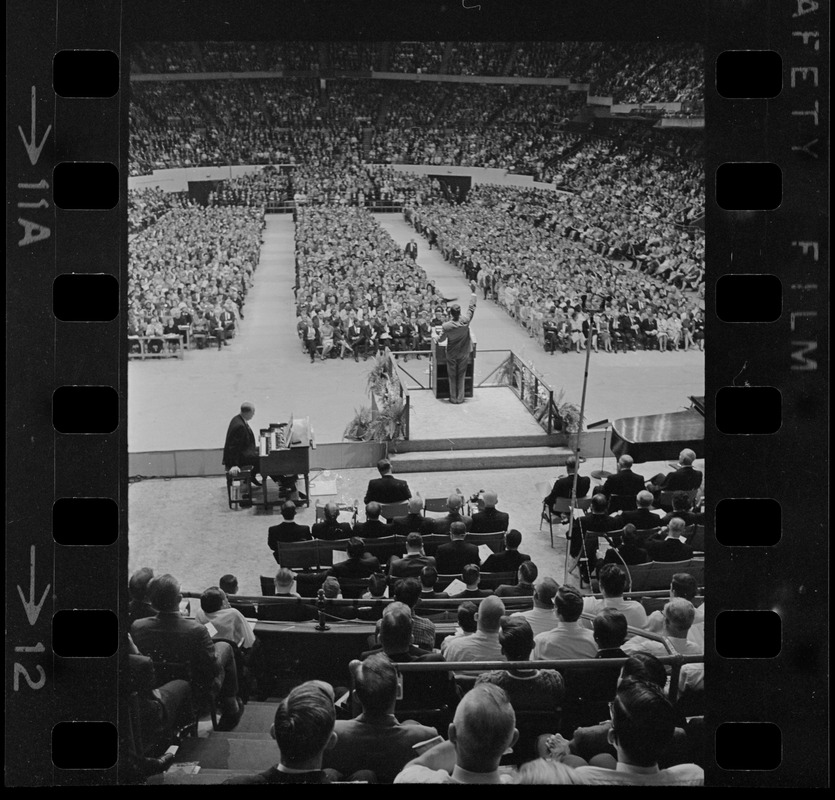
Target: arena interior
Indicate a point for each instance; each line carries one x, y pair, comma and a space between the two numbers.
302, 216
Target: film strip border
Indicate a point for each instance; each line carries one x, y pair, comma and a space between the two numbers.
766, 381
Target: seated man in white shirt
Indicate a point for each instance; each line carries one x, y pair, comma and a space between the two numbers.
569, 639
542, 617
483, 728
643, 724
682, 585
228, 622
483, 645
613, 582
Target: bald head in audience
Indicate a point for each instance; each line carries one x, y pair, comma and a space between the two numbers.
483, 728
490, 613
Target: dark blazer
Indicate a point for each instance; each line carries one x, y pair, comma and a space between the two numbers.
330, 531
519, 590
642, 518
624, 482
453, 556
489, 521
443, 524
387, 489
360, 567
471, 593
416, 523
373, 529
689, 517
507, 561
669, 550
240, 449
169, 636
630, 555
409, 566
684, 479
564, 485
287, 532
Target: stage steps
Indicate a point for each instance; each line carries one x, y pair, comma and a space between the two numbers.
456, 458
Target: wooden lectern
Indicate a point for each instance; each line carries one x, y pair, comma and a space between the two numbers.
438, 377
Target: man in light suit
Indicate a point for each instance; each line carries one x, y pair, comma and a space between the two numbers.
459, 346
240, 449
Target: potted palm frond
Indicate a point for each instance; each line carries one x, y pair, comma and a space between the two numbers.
388, 421
358, 428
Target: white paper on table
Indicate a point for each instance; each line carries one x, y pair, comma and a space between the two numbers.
456, 587
484, 552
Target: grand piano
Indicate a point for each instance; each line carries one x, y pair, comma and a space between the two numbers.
661, 437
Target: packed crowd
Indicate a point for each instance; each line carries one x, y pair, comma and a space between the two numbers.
425, 57
651, 736
190, 271
147, 205
479, 58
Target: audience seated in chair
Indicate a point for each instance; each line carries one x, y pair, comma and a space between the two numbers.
672, 547
229, 584
685, 586
228, 622
444, 524
375, 740
407, 591
510, 558
541, 617
483, 645
564, 486
386, 488
172, 638
330, 529
428, 579
684, 479
285, 581
527, 574
411, 564
414, 521
610, 629
288, 530
586, 532
629, 551
453, 556
470, 576
569, 638
624, 481
643, 518
466, 623
613, 583
359, 564
484, 727
139, 607
303, 730
682, 508
373, 527
490, 520
396, 637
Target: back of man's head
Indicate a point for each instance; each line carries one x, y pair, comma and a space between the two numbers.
675, 528
625, 462
678, 616
686, 457
527, 572
512, 539
609, 628
516, 638
681, 501
331, 511
396, 628
568, 603
545, 591
490, 499
683, 584
599, 504
164, 593
466, 617
470, 574
490, 614
415, 505
288, 510
384, 465
377, 584
229, 584
212, 599
453, 503
613, 580
428, 577
331, 588
644, 667
571, 464
483, 728
644, 499
356, 547
375, 682
407, 590
373, 510
138, 583
414, 541
304, 723
643, 723
458, 530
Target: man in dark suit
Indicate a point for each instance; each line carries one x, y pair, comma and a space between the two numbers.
642, 517
624, 481
470, 576
414, 521
170, 637
671, 548
510, 558
525, 577
411, 249
684, 479
359, 564
386, 488
586, 531
428, 579
410, 565
329, 529
453, 556
285, 586
373, 527
240, 449
565, 485
490, 520
444, 524
288, 530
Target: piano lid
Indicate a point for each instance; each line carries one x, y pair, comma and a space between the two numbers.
659, 437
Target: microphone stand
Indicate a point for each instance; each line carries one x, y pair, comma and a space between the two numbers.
320, 606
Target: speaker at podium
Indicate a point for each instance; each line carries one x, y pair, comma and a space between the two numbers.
438, 377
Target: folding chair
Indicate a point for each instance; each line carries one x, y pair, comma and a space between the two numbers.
436, 505
562, 505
